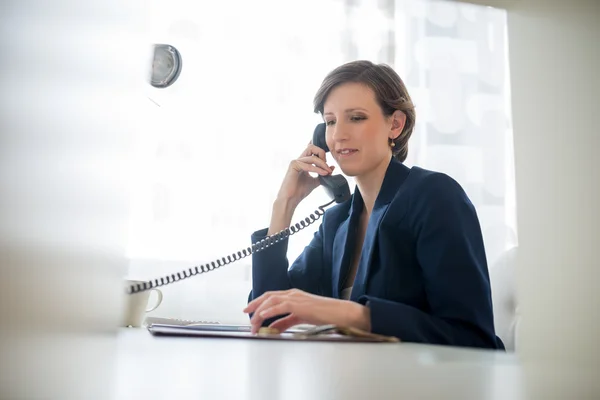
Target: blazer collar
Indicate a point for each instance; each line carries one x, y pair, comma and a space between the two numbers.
395, 175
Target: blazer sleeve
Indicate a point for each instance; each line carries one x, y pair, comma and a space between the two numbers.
449, 248
270, 266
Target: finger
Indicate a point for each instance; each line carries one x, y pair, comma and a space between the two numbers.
285, 323
302, 166
284, 307
268, 303
255, 323
316, 161
312, 149
254, 304
257, 319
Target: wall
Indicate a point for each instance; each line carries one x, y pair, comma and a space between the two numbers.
553, 50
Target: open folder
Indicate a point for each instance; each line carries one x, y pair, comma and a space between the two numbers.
328, 333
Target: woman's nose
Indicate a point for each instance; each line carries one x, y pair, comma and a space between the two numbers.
340, 132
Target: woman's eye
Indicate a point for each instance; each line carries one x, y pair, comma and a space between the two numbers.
357, 118
328, 123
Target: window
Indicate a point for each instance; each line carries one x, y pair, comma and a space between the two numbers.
211, 162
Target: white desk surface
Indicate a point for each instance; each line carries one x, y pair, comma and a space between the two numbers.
198, 368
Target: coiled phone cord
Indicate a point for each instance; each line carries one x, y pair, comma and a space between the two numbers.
254, 248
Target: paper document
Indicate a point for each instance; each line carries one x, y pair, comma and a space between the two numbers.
319, 333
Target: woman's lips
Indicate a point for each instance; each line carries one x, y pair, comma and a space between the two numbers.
345, 153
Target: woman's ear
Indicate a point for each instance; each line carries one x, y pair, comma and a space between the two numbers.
398, 122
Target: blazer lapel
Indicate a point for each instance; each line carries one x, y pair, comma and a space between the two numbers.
342, 250
362, 272
394, 177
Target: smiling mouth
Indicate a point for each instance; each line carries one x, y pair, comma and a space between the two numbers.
347, 152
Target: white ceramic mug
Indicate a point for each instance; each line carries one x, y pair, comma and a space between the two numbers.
135, 305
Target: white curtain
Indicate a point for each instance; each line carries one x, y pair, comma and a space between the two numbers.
218, 142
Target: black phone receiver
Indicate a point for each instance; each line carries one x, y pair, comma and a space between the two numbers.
335, 186
319, 137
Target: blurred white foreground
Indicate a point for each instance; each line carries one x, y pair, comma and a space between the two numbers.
64, 144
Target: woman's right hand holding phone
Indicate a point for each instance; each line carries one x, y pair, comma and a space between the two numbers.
297, 184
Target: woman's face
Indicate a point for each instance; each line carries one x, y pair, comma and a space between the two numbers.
357, 133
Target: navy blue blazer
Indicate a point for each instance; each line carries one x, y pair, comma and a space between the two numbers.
422, 272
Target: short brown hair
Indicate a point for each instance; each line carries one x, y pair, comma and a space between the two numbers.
390, 92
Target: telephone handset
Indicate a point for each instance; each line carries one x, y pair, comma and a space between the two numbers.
335, 186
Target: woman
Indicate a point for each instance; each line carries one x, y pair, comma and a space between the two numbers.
403, 257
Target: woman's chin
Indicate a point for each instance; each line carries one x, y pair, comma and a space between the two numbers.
350, 171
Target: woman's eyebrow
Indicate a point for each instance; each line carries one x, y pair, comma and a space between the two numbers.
348, 110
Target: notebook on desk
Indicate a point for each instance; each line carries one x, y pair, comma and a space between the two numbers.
326, 333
